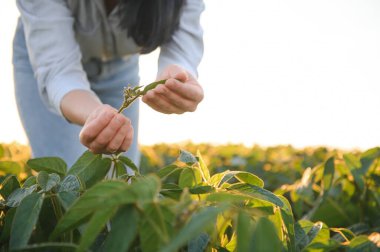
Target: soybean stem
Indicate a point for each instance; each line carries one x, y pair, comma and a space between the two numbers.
131, 95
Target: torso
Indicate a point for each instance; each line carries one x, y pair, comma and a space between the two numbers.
98, 31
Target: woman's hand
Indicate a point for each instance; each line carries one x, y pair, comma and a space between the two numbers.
106, 131
181, 92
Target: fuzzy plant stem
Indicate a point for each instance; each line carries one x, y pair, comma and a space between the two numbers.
131, 94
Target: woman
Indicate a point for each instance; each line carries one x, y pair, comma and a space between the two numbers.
72, 59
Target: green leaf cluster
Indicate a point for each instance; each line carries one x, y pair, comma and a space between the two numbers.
96, 205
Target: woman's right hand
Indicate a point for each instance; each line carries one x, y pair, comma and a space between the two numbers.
106, 131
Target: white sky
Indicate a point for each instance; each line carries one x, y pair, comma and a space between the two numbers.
297, 72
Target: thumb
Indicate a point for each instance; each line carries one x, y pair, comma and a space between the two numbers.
178, 73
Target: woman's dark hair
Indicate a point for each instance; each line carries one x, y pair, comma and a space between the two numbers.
150, 23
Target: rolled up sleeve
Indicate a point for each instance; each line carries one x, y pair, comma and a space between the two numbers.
186, 47
53, 51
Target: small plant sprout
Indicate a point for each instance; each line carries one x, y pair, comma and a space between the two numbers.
131, 94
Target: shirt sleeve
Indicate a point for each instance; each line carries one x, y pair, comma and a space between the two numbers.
186, 47
53, 51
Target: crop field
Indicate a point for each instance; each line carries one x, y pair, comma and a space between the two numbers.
192, 197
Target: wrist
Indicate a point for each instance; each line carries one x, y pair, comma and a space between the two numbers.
77, 105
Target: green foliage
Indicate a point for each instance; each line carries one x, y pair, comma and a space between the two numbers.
187, 206
25, 219
47, 181
124, 230
9, 184
90, 168
49, 164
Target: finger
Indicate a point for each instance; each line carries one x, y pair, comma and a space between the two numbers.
181, 76
116, 142
158, 103
176, 100
97, 122
127, 142
107, 134
188, 90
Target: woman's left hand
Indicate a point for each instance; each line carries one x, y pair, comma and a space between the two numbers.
181, 92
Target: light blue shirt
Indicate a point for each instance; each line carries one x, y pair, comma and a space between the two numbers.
61, 35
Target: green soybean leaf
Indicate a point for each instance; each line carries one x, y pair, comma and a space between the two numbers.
198, 223
306, 231
367, 158
25, 219
220, 179
244, 177
231, 245
244, 231
152, 85
352, 161
18, 195
187, 178
95, 226
187, 158
199, 243
260, 208
84, 160
203, 167
146, 188
216, 179
10, 167
124, 227
288, 219
301, 229
201, 189
171, 190
257, 192
354, 165
167, 170
319, 237
6, 229
249, 178
91, 168
9, 185
110, 194
129, 163
227, 197
264, 237
107, 193
48, 164
70, 183
121, 170
32, 180
343, 233
50, 246
153, 232
328, 176
276, 220
47, 181
67, 198
361, 243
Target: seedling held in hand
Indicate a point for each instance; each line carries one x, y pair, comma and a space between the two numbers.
131, 94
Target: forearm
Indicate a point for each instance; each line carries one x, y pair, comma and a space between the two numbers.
77, 105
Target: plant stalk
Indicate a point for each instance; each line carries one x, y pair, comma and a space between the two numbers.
131, 94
